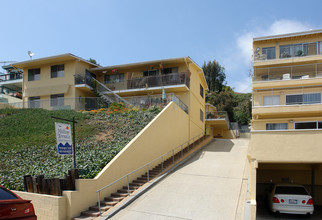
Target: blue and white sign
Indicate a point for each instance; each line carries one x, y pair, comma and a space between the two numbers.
64, 138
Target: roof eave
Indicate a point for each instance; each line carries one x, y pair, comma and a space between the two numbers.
271, 37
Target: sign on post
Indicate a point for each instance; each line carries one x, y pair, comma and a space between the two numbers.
64, 139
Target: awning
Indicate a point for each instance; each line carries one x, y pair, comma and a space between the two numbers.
46, 90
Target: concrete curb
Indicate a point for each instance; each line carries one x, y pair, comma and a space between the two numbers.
150, 184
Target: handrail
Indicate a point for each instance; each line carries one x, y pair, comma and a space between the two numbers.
115, 96
147, 165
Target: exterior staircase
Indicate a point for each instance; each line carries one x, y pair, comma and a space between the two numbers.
108, 95
115, 198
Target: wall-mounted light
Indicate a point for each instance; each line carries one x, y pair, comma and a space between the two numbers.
291, 121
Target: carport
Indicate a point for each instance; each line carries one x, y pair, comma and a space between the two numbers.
307, 174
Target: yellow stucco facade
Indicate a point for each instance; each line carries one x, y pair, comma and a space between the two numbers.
287, 113
171, 128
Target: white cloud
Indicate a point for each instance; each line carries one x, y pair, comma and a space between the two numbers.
238, 60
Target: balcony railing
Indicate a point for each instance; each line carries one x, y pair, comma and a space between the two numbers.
83, 79
294, 96
288, 73
151, 81
10, 77
291, 50
91, 103
217, 115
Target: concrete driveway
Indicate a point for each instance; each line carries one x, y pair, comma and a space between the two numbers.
211, 185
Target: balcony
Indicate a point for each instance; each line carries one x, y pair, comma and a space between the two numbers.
219, 119
276, 77
289, 51
174, 80
84, 82
8, 78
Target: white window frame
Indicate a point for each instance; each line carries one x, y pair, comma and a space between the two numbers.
270, 96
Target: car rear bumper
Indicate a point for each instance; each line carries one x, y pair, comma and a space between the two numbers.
292, 209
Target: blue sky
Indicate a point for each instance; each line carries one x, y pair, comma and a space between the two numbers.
124, 31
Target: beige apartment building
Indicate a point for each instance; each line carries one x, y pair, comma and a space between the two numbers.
287, 114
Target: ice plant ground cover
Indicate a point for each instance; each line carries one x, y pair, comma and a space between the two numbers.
28, 144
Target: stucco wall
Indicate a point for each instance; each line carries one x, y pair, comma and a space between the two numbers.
287, 146
168, 130
196, 103
46, 206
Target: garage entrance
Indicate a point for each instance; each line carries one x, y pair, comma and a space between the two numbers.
307, 174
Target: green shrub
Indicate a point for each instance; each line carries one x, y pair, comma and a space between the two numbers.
28, 145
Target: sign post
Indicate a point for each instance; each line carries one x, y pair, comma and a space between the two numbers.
65, 144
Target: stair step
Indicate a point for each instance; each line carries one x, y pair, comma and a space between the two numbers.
82, 218
136, 184
124, 191
117, 194
90, 213
112, 198
108, 203
131, 187
139, 181
103, 208
146, 176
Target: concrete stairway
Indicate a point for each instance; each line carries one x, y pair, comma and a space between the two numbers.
115, 198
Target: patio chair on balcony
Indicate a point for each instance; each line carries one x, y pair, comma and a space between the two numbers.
286, 76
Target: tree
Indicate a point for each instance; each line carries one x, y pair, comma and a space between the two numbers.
243, 109
223, 101
237, 105
93, 61
215, 75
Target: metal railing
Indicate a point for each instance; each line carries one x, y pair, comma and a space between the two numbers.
307, 71
147, 166
10, 77
291, 50
150, 82
217, 115
281, 97
92, 103
81, 103
108, 95
155, 100
83, 79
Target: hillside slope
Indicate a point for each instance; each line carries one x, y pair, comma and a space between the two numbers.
28, 144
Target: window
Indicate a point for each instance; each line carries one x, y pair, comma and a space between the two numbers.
151, 73
271, 100
114, 78
57, 71
201, 115
276, 126
269, 52
201, 91
57, 100
306, 125
299, 99
34, 102
6, 195
170, 70
33, 74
